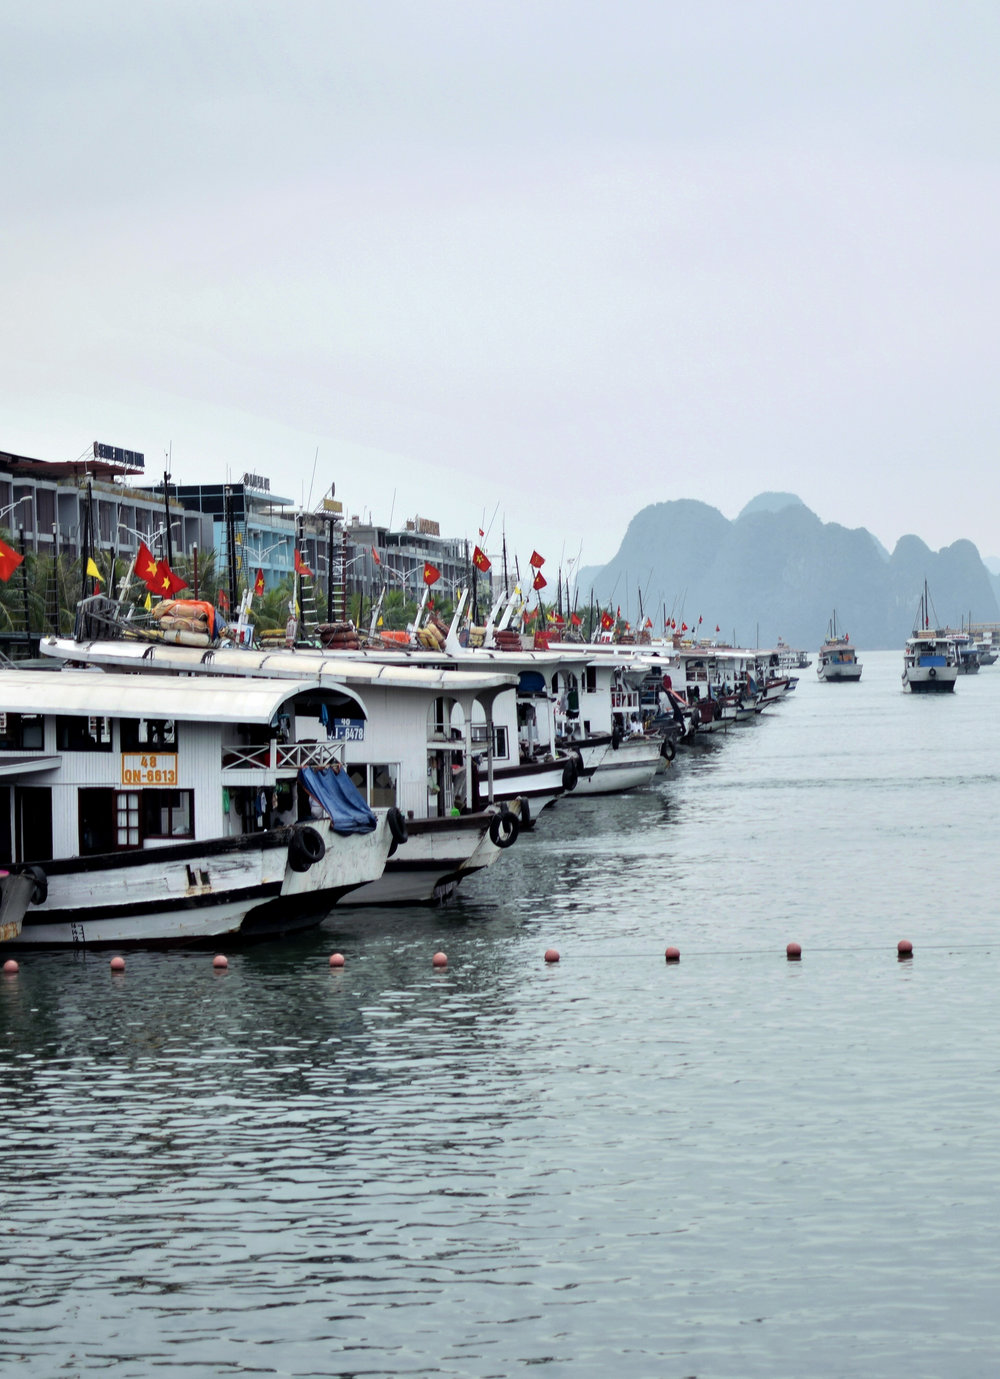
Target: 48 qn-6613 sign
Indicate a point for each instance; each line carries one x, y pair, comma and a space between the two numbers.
149, 768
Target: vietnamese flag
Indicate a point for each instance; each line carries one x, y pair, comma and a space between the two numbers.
684, 627
223, 600
301, 568
480, 560
147, 568
9, 561
607, 622
539, 582
167, 582
375, 556
536, 560
576, 620
258, 584
431, 573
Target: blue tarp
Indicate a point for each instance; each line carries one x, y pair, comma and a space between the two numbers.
341, 799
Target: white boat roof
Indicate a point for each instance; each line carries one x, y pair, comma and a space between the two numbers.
348, 669
113, 695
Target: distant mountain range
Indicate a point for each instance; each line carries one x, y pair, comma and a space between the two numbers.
777, 571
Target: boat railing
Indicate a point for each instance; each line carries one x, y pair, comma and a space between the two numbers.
282, 756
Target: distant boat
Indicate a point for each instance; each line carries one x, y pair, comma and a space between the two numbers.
930, 659
837, 660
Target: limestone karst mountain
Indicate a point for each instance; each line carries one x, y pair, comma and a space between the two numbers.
777, 570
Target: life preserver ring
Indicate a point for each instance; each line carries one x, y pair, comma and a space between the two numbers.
396, 820
667, 749
932, 673
306, 847
504, 829
616, 738
571, 774
41, 892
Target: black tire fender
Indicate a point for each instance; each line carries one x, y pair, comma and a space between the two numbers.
525, 815
41, 892
396, 820
305, 848
571, 773
932, 673
616, 738
667, 749
504, 829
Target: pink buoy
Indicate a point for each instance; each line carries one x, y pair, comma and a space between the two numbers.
118, 964
673, 955
220, 961
440, 960
904, 948
10, 966
336, 959
793, 952
552, 955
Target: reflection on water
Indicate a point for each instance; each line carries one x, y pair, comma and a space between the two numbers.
736, 1166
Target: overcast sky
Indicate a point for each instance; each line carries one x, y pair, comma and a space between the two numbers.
549, 260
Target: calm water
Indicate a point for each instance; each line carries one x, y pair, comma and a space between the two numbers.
736, 1166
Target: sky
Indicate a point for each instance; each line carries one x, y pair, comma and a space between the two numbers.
524, 265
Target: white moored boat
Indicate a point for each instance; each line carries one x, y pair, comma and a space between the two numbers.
151, 811
838, 660
403, 732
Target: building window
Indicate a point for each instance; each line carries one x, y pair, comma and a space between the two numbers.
168, 813
83, 734
137, 733
22, 732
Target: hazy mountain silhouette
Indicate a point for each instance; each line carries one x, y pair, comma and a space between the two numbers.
777, 571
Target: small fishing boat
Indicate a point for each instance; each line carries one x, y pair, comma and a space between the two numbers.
837, 659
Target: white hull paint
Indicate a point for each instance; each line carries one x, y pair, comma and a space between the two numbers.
609, 770
930, 680
438, 854
186, 894
850, 671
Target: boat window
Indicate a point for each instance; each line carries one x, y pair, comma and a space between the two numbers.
23, 732
127, 815
80, 734
480, 737
168, 813
377, 783
590, 680
382, 791
148, 732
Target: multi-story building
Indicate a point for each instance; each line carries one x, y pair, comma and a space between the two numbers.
45, 504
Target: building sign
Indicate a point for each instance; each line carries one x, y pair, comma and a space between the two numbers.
149, 768
125, 459
258, 482
348, 730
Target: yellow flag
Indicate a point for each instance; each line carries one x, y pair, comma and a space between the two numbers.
93, 570
148, 604
380, 622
